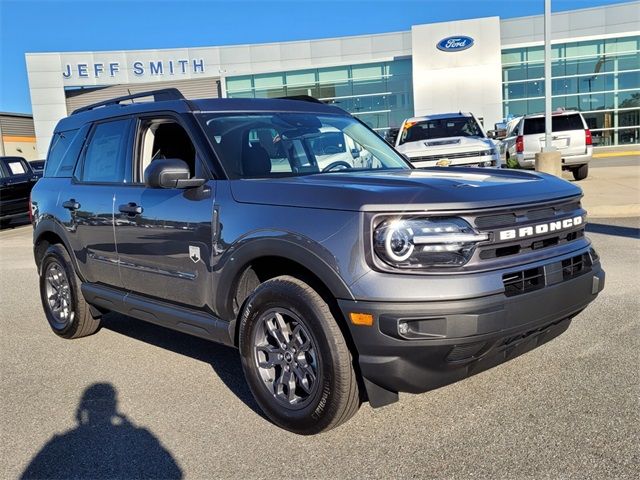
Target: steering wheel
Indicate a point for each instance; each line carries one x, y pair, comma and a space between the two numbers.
337, 166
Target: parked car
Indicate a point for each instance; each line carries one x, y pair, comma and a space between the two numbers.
449, 139
337, 285
571, 136
16, 181
37, 166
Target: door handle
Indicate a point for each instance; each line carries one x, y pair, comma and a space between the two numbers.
130, 209
71, 205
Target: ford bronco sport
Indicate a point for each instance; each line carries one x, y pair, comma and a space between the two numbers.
337, 284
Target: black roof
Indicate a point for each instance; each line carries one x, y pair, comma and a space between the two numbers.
110, 110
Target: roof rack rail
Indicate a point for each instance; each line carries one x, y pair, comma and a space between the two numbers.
301, 98
158, 95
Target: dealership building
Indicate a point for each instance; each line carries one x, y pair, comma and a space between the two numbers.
489, 66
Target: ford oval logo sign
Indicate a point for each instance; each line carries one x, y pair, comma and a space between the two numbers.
455, 44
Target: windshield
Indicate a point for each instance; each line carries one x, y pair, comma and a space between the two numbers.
270, 144
440, 128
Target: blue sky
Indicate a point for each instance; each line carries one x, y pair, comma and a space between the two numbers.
88, 25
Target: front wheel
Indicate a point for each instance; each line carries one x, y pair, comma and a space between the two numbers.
295, 358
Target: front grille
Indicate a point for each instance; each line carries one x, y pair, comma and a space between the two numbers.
526, 215
574, 266
529, 217
531, 279
529, 245
524, 281
450, 156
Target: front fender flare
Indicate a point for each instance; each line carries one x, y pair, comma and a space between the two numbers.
312, 256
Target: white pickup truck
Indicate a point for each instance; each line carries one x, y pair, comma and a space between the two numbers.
447, 139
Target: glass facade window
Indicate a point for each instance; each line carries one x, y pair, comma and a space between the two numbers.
380, 94
601, 78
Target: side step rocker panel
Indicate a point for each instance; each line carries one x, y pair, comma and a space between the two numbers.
177, 318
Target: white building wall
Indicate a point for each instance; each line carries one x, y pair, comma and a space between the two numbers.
467, 80
598, 22
47, 82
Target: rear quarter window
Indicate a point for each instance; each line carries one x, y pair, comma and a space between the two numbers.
559, 123
63, 153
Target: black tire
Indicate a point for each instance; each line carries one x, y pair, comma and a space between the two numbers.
4, 223
334, 395
77, 321
581, 172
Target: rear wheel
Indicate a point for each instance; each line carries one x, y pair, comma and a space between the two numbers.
295, 358
581, 172
68, 313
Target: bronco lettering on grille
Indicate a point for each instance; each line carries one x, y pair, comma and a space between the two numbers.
540, 229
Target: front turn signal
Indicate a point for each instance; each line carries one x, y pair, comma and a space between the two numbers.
362, 319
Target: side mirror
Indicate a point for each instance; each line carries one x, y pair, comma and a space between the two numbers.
170, 173
355, 153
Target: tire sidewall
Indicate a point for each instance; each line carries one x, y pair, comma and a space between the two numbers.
318, 413
55, 254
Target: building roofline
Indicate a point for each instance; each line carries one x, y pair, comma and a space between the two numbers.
16, 114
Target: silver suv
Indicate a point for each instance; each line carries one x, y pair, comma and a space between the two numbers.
571, 136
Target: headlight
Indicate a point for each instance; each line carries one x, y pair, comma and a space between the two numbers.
413, 243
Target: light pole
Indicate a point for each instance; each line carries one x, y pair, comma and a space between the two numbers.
548, 141
549, 159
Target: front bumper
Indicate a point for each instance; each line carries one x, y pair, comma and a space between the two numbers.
451, 340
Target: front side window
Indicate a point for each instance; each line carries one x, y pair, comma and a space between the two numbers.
166, 138
268, 144
440, 128
105, 159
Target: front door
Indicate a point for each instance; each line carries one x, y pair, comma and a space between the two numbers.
164, 236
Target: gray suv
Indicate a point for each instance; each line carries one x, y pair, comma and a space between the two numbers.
338, 283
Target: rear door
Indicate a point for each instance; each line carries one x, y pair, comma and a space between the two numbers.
103, 170
165, 235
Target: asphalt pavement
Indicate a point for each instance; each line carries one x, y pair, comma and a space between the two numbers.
138, 400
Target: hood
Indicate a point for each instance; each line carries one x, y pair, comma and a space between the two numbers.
436, 146
405, 190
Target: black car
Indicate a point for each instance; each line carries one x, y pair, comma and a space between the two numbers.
16, 181
218, 218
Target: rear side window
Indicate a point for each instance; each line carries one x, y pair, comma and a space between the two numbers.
105, 159
559, 123
63, 153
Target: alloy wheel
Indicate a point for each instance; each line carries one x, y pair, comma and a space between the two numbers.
286, 357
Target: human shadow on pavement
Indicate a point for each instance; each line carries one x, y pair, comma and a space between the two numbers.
615, 230
105, 444
224, 360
